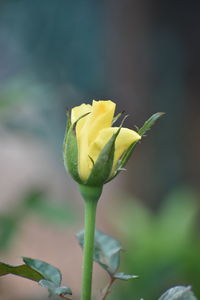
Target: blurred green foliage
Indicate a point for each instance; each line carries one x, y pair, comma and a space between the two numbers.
35, 202
162, 248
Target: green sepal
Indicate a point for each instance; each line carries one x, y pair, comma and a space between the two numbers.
70, 154
68, 125
70, 150
68, 114
123, 160
127, 154
117, 117
103, 165
149, 123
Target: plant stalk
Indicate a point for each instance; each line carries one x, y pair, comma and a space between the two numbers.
90, 216
91, 196
107, 289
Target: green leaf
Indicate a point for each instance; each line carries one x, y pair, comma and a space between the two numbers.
150, 122
52, 277
48, 271
122, 276
22, 271
45, 274
54, 289
106, 250
178, 293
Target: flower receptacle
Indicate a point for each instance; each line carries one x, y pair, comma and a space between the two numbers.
90, 193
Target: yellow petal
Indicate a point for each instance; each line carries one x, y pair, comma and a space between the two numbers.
77, 112
101, 117
125, 138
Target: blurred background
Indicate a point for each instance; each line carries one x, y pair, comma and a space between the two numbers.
144, 55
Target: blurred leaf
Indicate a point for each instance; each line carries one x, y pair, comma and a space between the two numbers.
23, 271
175, 222
122, 276
178, 293
54, 289
8, 228
165, 243
106, 250
32, 198
54, 212
37, 201
46, 270
10, 223
172, 225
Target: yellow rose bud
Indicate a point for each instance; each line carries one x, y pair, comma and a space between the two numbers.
100, 146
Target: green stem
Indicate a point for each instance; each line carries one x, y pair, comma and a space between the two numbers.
91, 196
90, 215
